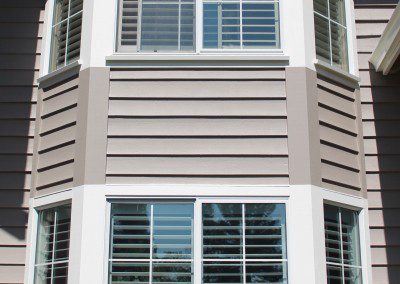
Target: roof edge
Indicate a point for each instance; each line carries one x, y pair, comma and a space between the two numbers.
388, 48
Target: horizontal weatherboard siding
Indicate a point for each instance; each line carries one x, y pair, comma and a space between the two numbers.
197, 126
380, 112
21, 25
338, 135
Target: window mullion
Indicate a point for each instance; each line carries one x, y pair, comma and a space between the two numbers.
67, 34
219, 25
241, 23
179, 24
151, 243
341, 245
330, 33
139, 26
54, 246
244, 242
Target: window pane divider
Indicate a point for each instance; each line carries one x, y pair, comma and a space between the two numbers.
243, 227
151, 243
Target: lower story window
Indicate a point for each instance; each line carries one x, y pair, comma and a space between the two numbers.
342, 245
52, 250
154, 243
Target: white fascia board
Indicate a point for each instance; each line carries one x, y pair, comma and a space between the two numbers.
388, 49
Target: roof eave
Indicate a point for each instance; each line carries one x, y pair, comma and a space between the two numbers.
388, 48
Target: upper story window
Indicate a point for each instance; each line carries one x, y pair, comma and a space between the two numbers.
52, 249
331, 32
342, 245
170, 25
66, 33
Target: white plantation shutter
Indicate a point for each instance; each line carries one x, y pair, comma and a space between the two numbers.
128, 25
66, 33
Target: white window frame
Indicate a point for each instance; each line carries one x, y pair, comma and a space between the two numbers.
198, 36
197, 238
351, 41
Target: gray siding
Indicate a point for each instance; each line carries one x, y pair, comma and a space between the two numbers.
197, 126
339, 135
381, 116
20, 43
56, 135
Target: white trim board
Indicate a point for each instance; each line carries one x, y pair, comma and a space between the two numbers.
388, 48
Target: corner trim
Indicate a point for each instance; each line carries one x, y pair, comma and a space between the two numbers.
59, 74
388, 48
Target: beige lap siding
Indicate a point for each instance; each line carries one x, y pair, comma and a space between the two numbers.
197, 126
337, 112
20, 45
57, 134
380, 109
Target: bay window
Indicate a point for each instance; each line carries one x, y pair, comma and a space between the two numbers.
342, 245
170, 25
52, 249
155, 242
331, 32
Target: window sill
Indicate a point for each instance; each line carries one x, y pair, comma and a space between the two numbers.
59, 75
336, 74
190, 60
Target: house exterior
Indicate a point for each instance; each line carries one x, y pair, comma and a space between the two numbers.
199, 141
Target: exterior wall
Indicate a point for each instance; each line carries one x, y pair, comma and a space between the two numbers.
55, 135
338, 118
380, 109
197, 126
20, 45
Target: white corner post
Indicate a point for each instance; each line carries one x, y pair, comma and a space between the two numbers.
306, 246
87, 243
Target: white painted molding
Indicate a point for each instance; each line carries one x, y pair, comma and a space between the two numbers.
388, 48
206, 60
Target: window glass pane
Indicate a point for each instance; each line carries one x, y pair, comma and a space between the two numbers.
172, 272
60, 11
337, 11
352, 275
61, 247
222, 272
334, 274
321, 6
43, 274
265, 231
149, 239
332, 235
52, 250
224, 27
322, 40
130, 231
60, 273
350, 237
74, 38
222, 231
128, 17
260, 25
129, 272
58, 45
172, 233
339, 46
266, 272
76, 6
167, 25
